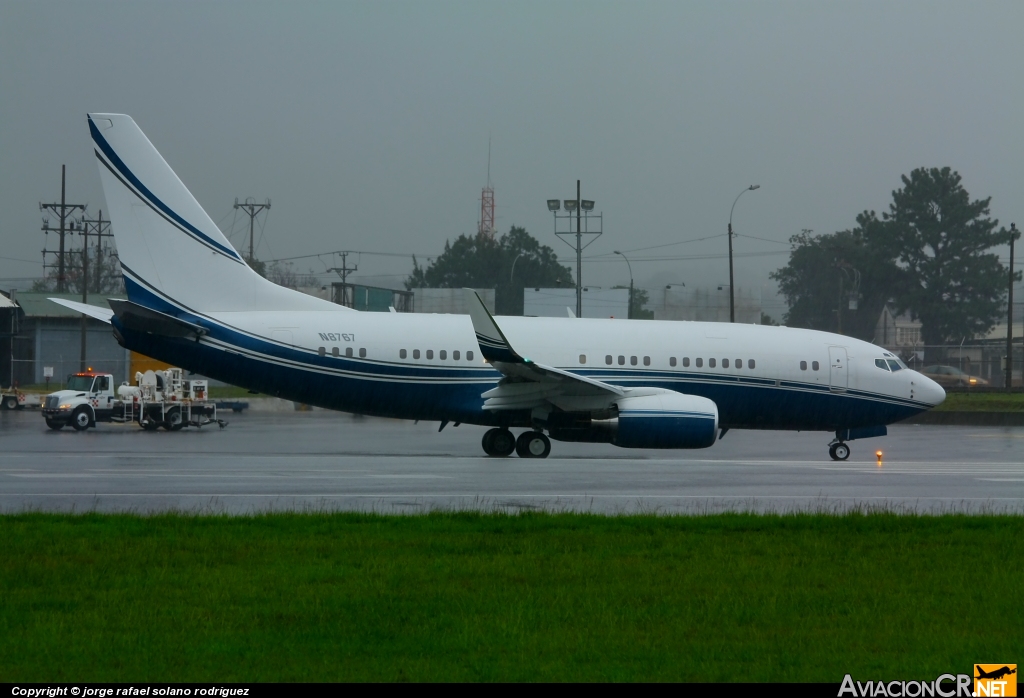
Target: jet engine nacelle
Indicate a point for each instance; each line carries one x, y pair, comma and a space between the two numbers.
666, 420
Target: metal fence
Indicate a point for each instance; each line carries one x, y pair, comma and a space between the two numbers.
985, 362
25, 370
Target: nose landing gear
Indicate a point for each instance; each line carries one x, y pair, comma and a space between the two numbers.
837, 450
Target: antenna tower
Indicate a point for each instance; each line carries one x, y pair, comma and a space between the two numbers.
487, 226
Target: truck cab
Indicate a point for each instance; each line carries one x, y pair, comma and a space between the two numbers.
88, 396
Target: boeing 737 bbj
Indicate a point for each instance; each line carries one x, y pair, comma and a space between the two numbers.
193, 302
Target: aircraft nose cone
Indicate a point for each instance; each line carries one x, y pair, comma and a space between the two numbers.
929, 391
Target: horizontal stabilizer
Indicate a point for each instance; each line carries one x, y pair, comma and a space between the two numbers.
95, 311
136, 317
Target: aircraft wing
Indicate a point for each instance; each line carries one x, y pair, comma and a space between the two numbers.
528, 384
95, 311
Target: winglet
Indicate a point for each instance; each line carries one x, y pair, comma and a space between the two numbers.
493, 344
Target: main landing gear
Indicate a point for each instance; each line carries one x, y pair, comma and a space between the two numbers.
530, 444
838, 450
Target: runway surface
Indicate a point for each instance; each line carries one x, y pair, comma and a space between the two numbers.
330, 461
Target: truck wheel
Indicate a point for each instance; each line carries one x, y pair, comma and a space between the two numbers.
10, 403
55, 425
80, 418
173, 420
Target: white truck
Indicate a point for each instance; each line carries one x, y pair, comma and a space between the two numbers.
158, 399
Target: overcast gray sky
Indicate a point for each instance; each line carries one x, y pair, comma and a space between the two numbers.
367, 123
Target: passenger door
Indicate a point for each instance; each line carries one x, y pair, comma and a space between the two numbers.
837, 374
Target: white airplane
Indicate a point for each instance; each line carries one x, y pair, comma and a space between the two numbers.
193, 302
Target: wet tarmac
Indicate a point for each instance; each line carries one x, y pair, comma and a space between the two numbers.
319, 460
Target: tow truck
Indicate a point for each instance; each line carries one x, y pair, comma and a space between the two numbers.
11, 398
158, 399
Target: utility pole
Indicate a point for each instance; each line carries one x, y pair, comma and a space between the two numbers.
101, 229
1014, 234
344, 270
63, 211
252, 209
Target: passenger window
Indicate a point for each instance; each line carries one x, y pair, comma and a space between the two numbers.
632, 361
322, 351
348, 351
469, 356
455, 355
608, 359
415, 353
700, 363
803, 365
101, 384
335, 351
739, 363
894, 365
430, 353
402, 353
814, 365
750, 363
622, 360
725, 363
362, 353
442, 354
672, 361
583, 358
686, 361
711, 363
647, 361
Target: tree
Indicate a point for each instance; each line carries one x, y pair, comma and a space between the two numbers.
821, 267
637, 304
479, 261
940, 238
104, 269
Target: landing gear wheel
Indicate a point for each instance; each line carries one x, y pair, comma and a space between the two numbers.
173, 420
55, 425
10, 403
533, 444
839, 451
80, 418
498, 442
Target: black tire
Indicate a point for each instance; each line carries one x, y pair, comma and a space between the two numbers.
81, 418
533, 444
10, 403
842, 451
173, 421
150, 425
498, 442
55, 424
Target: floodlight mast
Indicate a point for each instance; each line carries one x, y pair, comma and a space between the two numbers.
579, 206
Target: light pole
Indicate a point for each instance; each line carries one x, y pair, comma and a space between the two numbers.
732, 285
629, 313
511, 273
582, 209
1014, 234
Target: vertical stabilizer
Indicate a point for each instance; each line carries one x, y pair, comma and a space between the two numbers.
172, 254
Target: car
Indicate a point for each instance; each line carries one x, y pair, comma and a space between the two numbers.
947, 376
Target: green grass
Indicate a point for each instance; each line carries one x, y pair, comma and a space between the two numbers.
982, 402
493, 597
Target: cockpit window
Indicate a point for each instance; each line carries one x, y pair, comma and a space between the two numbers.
894, 365
880, 363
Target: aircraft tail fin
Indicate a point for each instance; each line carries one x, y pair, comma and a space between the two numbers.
173, 256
